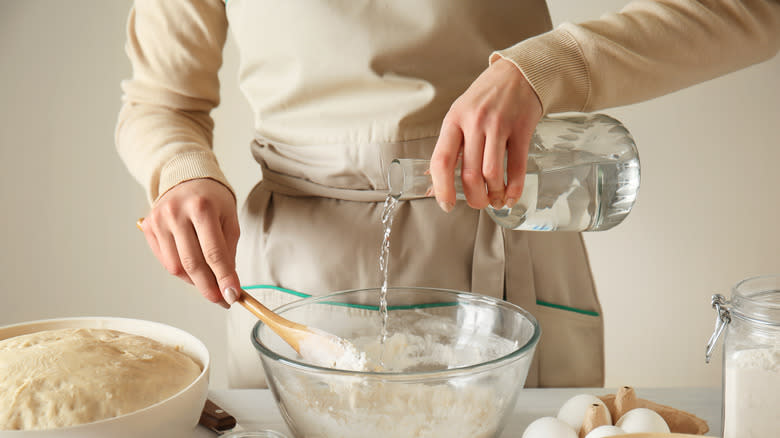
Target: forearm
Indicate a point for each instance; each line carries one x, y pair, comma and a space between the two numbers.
162, 147
164, 131
648, 49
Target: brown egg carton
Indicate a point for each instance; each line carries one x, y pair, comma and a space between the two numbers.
680, 422
659, 435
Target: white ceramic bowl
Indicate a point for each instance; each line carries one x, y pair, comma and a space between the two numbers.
176, 416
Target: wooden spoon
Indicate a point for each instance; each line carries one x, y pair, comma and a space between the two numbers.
314, 345
293, 333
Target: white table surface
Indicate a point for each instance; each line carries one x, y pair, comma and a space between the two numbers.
256, 409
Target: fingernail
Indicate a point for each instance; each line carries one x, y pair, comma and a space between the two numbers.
496, 203
230, 295
446, 206
510, 202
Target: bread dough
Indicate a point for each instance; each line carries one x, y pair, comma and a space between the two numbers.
60, 378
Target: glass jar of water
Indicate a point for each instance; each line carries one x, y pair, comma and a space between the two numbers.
582, 175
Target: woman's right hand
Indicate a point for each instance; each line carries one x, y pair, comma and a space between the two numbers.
193, 231
492, 121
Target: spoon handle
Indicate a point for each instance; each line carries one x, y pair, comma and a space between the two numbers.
290, 331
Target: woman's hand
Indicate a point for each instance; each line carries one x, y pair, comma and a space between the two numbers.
494, 118
193, 231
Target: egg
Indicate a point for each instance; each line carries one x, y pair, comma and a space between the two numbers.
642, 420
549, 427
573, 410
605, 431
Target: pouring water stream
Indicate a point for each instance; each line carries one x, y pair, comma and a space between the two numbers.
388, 214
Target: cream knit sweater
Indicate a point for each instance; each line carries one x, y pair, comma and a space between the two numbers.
363, 71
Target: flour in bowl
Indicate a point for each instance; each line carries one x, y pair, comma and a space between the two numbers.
392, 410
467, 405
326, 350
406, 352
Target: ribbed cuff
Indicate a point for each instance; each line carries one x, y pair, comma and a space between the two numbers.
554, 66
188, 166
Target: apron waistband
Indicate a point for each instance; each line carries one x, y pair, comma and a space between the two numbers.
292, 186
352, 172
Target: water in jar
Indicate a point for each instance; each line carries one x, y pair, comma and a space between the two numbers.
573, 191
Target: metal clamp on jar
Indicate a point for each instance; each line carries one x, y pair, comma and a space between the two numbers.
751, 357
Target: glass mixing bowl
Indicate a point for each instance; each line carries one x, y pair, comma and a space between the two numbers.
451, 365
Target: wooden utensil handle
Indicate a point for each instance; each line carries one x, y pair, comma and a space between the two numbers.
289, 330
216, 418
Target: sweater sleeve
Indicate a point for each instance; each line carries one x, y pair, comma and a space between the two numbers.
648, 49
164, 132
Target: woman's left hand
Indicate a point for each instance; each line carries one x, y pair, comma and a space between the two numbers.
493, 119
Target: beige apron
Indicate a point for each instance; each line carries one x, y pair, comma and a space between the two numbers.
337, 93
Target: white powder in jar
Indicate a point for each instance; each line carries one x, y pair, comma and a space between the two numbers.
752, 393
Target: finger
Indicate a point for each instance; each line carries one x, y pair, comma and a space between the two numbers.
151, 239
232, 232
220, 259
170, 263
493, 169
194, 263
167, 253
443, 161
471, 171
516, 164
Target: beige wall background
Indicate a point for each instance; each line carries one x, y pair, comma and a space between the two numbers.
707, 214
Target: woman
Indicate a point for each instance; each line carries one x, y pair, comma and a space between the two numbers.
338, 88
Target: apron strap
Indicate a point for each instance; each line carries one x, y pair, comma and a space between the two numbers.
488, 262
